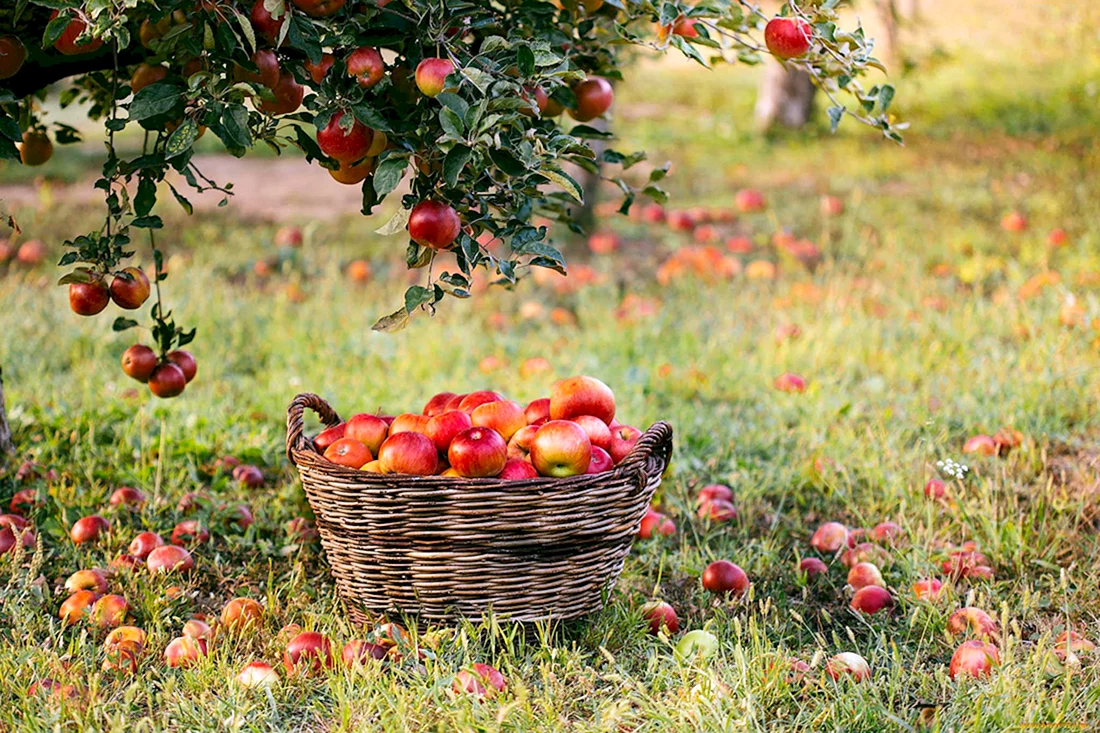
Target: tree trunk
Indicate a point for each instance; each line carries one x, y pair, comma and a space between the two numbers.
6, 444
590, 182
786, 97
887, 47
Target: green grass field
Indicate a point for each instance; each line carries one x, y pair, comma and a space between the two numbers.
915, 335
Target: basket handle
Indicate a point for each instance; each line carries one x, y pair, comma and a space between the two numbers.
295, 420
653, 450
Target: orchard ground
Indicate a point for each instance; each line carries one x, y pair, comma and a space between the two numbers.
923, 324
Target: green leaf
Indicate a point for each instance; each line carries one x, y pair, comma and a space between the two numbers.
9, 128
418, 295
836, 113
235, 126
182, 201
146, 196
123, 324
147, 222
392, 323
56, 28
507, 162
563, 179
397, 223
451, 122
369, 116
389, 173
181, 139
456, 160
451, 100
525, 60
885, 97
155, 99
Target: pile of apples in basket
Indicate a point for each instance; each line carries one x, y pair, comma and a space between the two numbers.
485, 435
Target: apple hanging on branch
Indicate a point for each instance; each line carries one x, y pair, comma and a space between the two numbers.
461, 101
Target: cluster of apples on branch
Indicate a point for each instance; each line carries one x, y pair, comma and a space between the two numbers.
485, 435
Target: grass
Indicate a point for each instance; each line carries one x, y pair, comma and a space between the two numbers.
903, 365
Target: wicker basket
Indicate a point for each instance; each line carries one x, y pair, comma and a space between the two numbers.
440, 548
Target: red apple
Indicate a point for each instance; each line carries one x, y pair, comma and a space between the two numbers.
789, 382
659, 614
434, 224
520, 444
89, 298
749, 200
561, 448
183, 651
863, 574
598, 432
370, 430
189, 532
538, 411
109, 611
242, 613
504, 416
865, 552
481, 680
723, 577
357, 652
12, 55
972, 620
604, 243
594, 97
144, 543
655, 523
1057, 238
288, 97
831, 206
130, 288
887, 532
7, 539
328, 436
67, 43
1014, 222
812, 566
576, 396
438, 403
86, 580
249, 476
472, 401
983, 445
431, 75
409, 422
1070, 642
974, 658
601, 461
871, 599
830, 537
516, 469
169, 558
935, 489
268, 27
258, 675
788, 38
366, 65
89, 529
623, 438
127, 496
77, 606
24, 501
710, 492
717, 510
197, 629
125, 635
349, 453
408, 453
167, 380
850, 664
317, 72
928, 589
478, 452
307, 652
443, 427
268, 72
345, 147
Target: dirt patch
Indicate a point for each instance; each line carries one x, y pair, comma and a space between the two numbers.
263, 189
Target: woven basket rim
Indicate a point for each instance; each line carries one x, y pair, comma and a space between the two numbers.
306, 456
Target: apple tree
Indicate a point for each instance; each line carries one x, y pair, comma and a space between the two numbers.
471, 115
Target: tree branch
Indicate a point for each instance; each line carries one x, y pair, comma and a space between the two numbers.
43, 69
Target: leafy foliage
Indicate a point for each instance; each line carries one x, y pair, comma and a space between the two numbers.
485, 145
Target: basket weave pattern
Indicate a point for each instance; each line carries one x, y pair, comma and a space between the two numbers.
439, 548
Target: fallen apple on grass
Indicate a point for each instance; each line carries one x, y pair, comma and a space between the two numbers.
89, 529
872, 599
258, 675
829, 538
241, 614
307, 652
974, 658
185, 651
972, 620
697, 645
812, 566
168, 559
848, 664
722, 577
655, 523
660, 615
